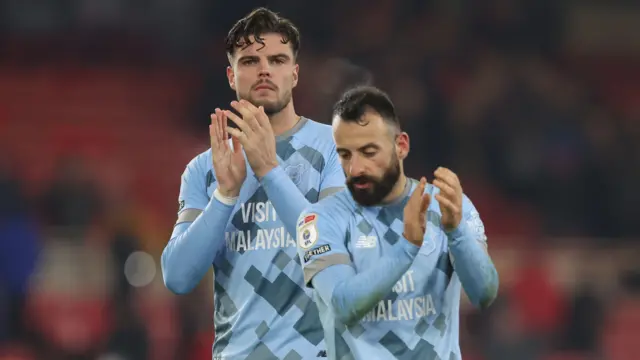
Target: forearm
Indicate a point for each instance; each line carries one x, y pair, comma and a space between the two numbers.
285, 197
474, 266
352, 295
193, 246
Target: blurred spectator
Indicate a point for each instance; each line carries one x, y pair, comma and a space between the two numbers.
72, 201
507, 337
19, 246
129, 338
630, 280
539, 303
584, 321
123, 243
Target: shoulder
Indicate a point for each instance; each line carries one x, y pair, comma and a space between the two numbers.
315, 133
329, 217
199, 165
337, 207
320, 128
314, 143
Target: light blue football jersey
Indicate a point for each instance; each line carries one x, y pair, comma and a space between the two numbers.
263, 311
419, 318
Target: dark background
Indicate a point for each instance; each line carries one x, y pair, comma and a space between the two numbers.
534, 103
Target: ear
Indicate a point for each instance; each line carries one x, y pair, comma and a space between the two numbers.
402, 145
296, 69
231, 78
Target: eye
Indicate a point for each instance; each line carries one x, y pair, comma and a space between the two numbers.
369, 154
249, 61
279, 61
344, 155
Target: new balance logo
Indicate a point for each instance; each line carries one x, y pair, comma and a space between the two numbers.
322, 354
367, 242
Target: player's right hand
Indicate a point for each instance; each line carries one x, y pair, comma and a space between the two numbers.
415, 214
228, 163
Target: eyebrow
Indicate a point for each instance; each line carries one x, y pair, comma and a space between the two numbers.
362, 148
281, 55
270, 57
247, 57
369, 145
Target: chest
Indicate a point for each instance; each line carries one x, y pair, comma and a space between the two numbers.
372, 236
301, 173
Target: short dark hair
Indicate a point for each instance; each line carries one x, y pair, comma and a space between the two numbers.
356, 101
259, 22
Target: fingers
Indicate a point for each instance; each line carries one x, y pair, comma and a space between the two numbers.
237, 146
414, 199
223, 127
449, 184
447, 176
242, 125
248, 112
261, 116
447, 204
214, 133
415, 212
249, 106
221, 120
446, 189
258, 113
218, 124
263, 119
424, 204
417, 193
239, 136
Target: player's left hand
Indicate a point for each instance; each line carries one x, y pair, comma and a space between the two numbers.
449, 198
256, 136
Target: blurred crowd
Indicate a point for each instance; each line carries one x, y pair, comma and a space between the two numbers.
104, 103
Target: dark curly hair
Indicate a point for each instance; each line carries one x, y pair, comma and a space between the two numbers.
259, 22
356, 101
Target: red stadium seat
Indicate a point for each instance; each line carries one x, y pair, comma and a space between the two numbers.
16, 351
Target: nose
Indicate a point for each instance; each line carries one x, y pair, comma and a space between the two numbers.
265, 69
356, 166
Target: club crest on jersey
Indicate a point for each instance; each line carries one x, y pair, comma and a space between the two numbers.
294, 172
307, 231
180, 205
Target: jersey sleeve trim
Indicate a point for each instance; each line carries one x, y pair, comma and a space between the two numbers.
329, 191
323, 262
188, 215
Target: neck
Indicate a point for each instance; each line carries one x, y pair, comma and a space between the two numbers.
397, 191
284, 120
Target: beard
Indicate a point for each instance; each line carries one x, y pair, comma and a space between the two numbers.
378, 188
270, 107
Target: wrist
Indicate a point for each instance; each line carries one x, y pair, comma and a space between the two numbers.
225, 197
416, 243
457, 232
264, 171
409, 247
229, 193
453, 228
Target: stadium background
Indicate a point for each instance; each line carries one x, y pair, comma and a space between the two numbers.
535, 104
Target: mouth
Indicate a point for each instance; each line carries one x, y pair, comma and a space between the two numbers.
263, 87
362, 185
